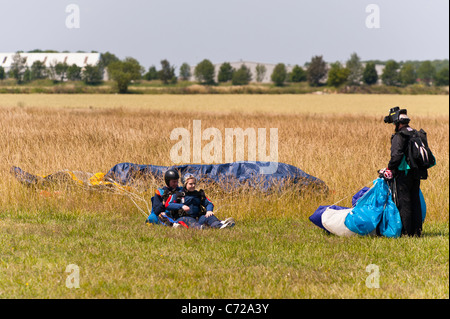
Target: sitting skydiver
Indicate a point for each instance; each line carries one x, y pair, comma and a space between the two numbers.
192, 207
157, 215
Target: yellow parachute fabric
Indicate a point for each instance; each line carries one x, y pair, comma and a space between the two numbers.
83, 179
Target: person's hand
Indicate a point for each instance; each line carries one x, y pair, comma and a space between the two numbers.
386, 173
186, 208
208, 214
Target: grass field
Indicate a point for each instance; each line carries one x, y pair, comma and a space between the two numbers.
273, 252
368, 104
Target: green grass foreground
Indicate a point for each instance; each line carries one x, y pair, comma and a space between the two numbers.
269, 257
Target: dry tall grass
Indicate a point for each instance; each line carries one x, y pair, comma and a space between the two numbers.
366, 104
44, 134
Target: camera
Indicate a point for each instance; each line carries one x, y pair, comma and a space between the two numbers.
394, 114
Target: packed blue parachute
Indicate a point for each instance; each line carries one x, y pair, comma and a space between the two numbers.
373, 212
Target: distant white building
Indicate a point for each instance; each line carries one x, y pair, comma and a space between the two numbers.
48, 59
379, 68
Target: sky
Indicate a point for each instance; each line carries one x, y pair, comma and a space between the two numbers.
265, 31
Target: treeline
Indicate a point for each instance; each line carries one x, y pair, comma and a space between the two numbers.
315, 73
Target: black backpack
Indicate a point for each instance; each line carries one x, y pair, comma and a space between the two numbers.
419, 155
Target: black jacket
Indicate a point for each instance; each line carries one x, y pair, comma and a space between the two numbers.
399, 145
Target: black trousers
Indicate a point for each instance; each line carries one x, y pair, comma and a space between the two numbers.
408, 203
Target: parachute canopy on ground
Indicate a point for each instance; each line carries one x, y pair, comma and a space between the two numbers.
259, 175
373, 212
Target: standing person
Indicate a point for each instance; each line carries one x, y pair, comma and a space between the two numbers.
193, 207
406, 174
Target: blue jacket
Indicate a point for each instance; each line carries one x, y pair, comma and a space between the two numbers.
195, 200
158, 206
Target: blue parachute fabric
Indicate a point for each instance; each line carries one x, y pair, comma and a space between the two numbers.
358, 195
373, 209
391, 223
260, 175
366, 215
423, 206
316, 217
152, 218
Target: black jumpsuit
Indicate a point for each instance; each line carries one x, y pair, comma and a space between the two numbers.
407, 184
